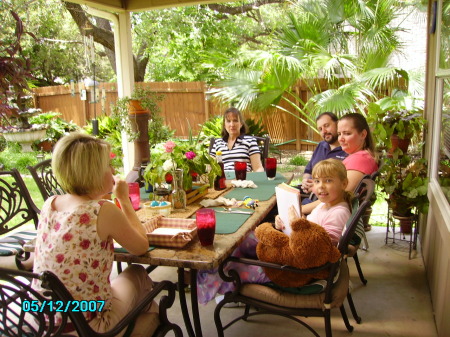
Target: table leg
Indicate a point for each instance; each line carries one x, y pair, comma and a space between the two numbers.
183, 304
194, 304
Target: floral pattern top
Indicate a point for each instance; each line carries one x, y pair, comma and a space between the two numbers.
68, 245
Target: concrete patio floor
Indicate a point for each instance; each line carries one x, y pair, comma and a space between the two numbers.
395, 302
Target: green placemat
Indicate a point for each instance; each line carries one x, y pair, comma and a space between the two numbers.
123, 250
265, 190
229, 223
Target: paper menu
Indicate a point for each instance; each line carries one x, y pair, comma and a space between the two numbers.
287, 196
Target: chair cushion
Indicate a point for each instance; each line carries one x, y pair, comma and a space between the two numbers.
289, 300
8, 249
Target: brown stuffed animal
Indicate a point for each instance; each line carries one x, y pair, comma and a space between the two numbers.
308, 246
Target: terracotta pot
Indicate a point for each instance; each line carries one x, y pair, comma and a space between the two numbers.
135, 107
46, 146
399, 143
406, 223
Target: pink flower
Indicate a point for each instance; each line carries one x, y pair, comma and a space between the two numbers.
190, 155
44, 237
85, 244
82, 276
112, 155
169, 146
67, 237
84, 218
59, 258
57, 226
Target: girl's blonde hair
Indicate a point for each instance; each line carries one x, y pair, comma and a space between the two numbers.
79, 162
333, 168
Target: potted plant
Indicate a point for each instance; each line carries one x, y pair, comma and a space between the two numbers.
397, 121
16, 101
57, 127
127, 108
404, 180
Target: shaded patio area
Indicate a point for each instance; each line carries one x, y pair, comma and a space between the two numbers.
395, 302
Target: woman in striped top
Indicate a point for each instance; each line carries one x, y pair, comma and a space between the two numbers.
235, 144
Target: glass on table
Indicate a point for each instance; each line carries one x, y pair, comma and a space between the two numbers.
205, 219
240, 170
135, 195
271, 168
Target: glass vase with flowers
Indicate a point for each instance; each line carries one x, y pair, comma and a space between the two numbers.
191, 156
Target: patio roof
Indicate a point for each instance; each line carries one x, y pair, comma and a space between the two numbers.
140, 5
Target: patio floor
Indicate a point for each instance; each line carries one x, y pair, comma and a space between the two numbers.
395, 302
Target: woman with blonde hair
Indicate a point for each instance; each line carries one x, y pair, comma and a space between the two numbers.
76, 232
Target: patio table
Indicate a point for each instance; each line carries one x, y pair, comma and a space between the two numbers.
195, 257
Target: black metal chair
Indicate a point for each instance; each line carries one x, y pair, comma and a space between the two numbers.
25, 312
16, 209
267, 300
45, 180
263, 143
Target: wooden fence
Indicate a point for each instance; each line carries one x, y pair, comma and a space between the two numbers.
182, 102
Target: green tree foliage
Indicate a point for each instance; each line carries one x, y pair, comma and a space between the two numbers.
346, 43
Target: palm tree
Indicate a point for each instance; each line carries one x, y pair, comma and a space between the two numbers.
346, 43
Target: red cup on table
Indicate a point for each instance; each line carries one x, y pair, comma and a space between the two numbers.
271, 168
205, 219
240, 170
135, 195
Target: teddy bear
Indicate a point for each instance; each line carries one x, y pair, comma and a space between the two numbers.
308, 246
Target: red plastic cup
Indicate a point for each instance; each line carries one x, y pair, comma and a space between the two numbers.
271, 168
135, 195
240, 170
206, 225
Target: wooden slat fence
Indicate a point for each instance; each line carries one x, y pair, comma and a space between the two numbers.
182, 102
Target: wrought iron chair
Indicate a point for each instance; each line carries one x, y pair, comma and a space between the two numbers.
45, 180
267, 300
24, 312
16, 209
263, 143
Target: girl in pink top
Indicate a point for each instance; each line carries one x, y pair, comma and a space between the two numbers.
76, 232
333, 211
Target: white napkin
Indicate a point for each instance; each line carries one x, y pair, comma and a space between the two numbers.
243, 183
218, 202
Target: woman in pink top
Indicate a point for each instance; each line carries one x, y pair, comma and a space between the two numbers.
76, 232
355, 138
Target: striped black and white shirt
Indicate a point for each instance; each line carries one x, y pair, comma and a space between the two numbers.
243, 148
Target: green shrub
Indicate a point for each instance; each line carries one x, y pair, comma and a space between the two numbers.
3, 143
13, 157
298, 161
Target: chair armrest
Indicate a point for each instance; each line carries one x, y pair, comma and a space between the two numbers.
12, 240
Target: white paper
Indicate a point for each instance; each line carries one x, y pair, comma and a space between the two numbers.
169, 231
287, 196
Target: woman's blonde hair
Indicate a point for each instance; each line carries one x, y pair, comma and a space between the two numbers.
333, 168
79, 162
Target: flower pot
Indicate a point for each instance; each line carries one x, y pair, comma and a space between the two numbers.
406, 223
399, 143
46, 146
25, 138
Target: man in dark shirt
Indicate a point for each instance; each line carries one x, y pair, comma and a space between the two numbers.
328, 148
